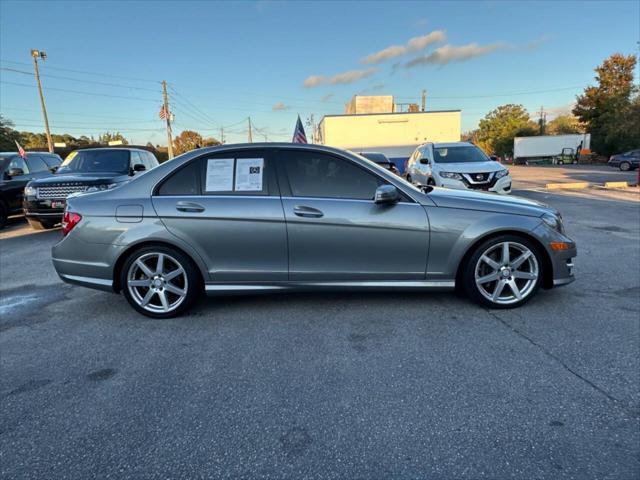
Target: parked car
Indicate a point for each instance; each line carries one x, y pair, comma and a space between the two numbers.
87, 170
272, 217
16, 173
625, 161
459, 165
382, 160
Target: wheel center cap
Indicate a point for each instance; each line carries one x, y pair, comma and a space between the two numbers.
506, 273
157, 283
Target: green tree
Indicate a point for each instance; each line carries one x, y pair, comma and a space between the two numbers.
500, 126
189, 140
564, 124
609, 110
8, 136
112, 137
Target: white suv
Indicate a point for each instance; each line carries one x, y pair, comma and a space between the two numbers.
459, 165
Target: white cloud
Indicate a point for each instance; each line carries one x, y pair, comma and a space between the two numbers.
339, 79
414, 44
280, 106
327, 97
450, 53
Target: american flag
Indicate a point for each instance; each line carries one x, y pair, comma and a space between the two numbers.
298, 133
21, 151
163, 113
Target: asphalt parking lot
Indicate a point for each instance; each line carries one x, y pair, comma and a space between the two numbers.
340, 385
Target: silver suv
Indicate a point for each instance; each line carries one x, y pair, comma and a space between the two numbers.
459, 165
270, 217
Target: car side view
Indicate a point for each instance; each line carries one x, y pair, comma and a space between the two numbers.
267, 217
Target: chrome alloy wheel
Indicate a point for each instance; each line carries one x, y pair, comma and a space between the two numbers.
506, 273
157, 282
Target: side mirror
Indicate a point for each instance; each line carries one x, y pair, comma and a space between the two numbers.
138, 167
54, 169
15, 172
386, 194
424, 161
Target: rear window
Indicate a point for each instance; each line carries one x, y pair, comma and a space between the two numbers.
88, 161
465, 154
51, 160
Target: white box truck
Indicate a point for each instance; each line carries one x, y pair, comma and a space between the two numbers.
558, 148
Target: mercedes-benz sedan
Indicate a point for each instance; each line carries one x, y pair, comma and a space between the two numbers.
270, 217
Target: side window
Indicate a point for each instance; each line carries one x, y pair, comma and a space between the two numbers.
36, 164
185, 181
151, 160
321, 175
18, 162
135, 159
246, 172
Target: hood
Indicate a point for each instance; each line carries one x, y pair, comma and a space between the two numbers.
488, 202
470, 167
81, 178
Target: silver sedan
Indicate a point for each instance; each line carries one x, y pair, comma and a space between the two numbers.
267, 217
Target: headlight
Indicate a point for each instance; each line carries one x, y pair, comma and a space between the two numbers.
30, 191
554, 221
502, 173
98, 188
451, 175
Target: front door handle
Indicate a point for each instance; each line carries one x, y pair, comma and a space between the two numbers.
189, 207
309, 212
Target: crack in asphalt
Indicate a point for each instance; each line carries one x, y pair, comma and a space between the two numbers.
618, 402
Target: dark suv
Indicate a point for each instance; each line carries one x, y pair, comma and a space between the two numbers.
16, 173
89, 170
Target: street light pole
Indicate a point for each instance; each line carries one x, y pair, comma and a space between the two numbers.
40, 54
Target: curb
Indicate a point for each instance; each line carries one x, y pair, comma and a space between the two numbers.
574, 185
616, 185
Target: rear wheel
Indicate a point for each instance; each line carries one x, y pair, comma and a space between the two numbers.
160, 282
409, 178
625, 166
504, 272
3, 216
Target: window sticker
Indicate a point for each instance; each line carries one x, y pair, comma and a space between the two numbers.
219, 175
249, 173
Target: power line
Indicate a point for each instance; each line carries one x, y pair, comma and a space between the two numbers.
81, 92
84, 72
74, 114
530, 92
91, 82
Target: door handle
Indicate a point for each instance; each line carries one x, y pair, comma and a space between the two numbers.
189, 207
309, 212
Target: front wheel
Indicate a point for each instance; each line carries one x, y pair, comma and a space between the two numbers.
503, 272
160, 282
625, 166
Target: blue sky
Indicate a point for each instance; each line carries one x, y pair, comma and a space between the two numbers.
226, 61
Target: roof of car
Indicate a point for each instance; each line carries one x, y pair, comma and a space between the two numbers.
449, 144
110, 148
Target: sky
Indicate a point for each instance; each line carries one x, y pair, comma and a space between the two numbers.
268, 60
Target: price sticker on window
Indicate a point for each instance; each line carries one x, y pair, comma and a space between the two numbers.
249, 174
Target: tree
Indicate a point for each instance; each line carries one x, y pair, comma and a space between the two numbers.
112, 137
564, 124
189, 140
500, 126
609, 110
8, 136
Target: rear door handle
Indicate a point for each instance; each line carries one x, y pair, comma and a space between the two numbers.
309, 212
189, 207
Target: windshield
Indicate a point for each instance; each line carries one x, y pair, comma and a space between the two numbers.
465, 154
386, 173
96, 161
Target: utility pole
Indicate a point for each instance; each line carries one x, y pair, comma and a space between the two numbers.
424, 99
311, 123
167, 113
35, 54
221, 134
542, 122
250, 132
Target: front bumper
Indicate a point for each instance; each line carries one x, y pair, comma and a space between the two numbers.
562, 261
42, 210
501, 186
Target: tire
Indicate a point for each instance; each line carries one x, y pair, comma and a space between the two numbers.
409, 179
431, 182
3, 216
495, 271
152, 283
560, 162
38, 225
625, 166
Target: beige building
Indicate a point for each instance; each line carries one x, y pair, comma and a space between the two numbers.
396, 134
360, 104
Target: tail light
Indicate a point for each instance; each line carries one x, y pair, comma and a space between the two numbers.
69, 220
